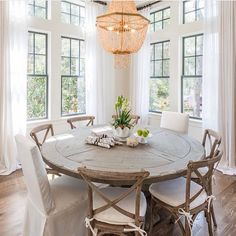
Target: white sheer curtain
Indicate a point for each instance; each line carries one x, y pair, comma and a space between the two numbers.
227, 84
99, 69
211, 65
139, 78
13, 62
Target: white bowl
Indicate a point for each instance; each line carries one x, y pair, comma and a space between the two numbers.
141, 139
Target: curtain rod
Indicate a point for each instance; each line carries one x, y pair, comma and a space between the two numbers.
139, 8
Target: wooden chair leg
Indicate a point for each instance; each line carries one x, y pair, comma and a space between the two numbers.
213, 216
152, 204
208, 219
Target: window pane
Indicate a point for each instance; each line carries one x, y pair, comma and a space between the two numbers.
152, 17
40, 3
159, 95
158, 68
30, 43
199, 65
36, 97
73, 95
65, 66
189, 17
74, 66
82, 49
74, 10
158, 25
200, 14
40, 44
192, 96
158, 16
189, 46
152, 68
152, 51
40, 12
189, 5
166, 13
158, 51
166, 51
166, 23
75, 20
40, 65
65, 45
75, 48
166, 67
65, 7
30, 64
189, 66
199, 45
200, 4
65, 18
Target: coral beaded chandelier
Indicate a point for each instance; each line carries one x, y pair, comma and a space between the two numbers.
122, 30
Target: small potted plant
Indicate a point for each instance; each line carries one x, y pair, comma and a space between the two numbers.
122, 126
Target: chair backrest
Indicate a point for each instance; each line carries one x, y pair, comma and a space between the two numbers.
35, 174
137, 177
211, 142
134, 119
42, 130
72, 121
205, 179
175, 121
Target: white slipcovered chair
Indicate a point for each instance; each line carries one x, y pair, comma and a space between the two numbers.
52, 208
175, 121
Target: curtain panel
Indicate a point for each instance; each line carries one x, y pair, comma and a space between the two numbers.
99, 70
139, 77
13, 64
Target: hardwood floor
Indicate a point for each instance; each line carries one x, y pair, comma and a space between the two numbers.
13, 196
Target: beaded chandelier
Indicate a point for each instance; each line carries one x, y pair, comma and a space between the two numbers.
122, 30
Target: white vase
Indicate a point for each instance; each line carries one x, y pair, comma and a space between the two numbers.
121, 133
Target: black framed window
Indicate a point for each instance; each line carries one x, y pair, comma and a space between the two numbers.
160, 19
160, 74
193, 10
192, 75
72, 76
37, 79
38, 8
72, 13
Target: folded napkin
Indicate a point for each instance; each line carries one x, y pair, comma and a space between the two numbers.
102, 140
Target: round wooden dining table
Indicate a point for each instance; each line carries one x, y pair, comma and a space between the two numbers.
165, 156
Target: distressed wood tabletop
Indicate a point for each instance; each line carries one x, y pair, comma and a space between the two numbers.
165, 156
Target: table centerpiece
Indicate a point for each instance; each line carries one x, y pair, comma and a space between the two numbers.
122, 126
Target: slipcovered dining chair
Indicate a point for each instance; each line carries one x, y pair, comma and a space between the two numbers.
175, 121
134, 119
185, 198
74, 120
53, 208
115, 210
40, 134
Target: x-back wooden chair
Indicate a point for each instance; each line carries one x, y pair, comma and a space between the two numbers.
73, 120
45, 131
115, 210
185, 198
211, 142
134, 119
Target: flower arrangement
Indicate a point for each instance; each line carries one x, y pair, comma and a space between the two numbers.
122, 124
122, 118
